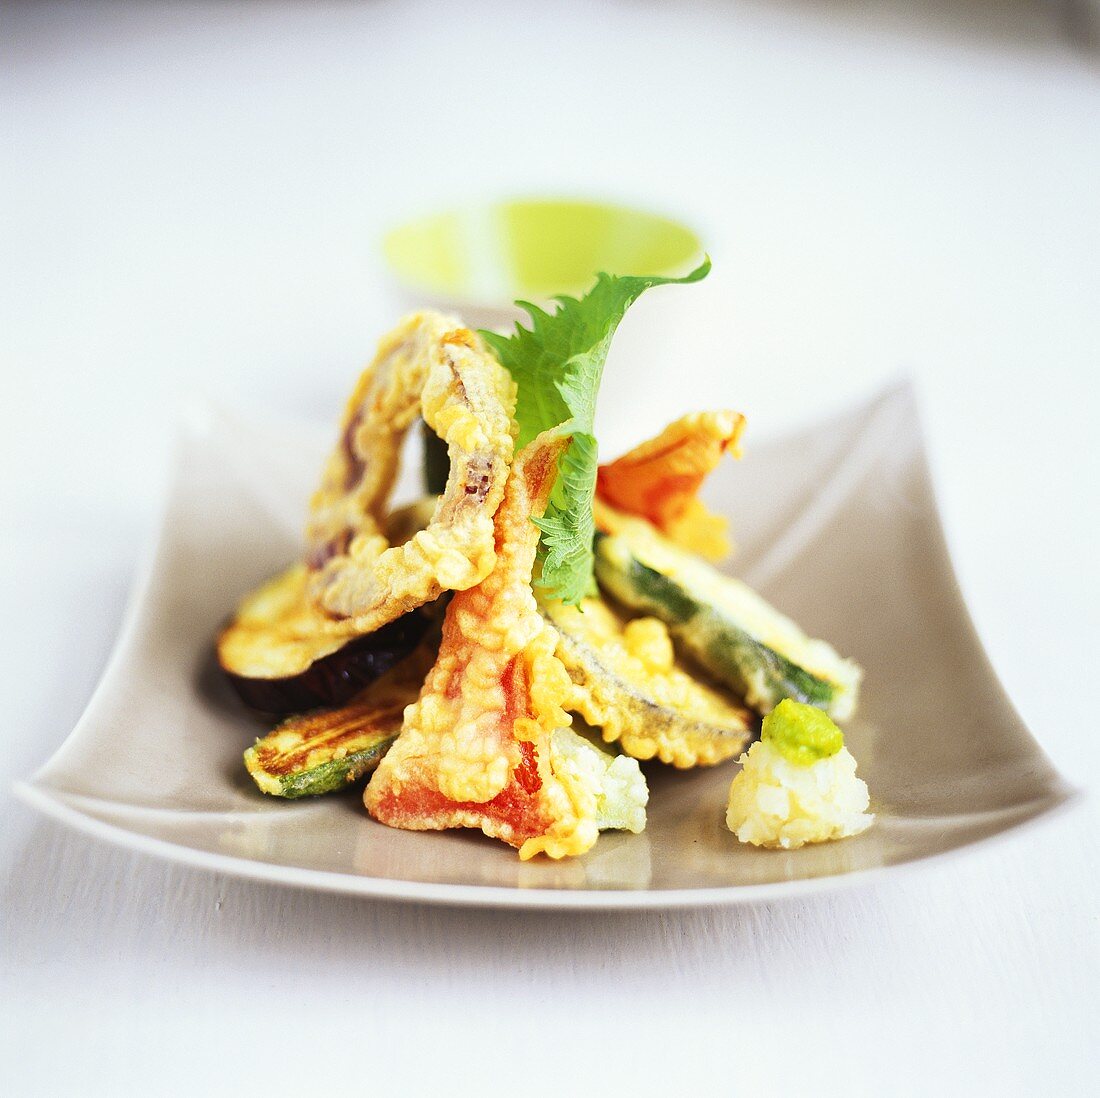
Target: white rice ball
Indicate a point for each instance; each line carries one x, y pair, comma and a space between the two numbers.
778, 803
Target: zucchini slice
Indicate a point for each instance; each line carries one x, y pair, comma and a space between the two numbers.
725, 625
627, 683
330, 749
281, 655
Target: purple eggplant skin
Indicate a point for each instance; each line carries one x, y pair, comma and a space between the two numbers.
336, 678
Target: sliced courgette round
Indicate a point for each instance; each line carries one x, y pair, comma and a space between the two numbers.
725, 625
330, 749
627, 683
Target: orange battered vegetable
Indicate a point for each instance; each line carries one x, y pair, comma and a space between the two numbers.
476, 749
660, 479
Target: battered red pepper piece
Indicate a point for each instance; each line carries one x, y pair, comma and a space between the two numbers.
475, 750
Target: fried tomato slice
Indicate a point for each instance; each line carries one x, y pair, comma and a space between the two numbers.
660, 479
429, 367
476, 750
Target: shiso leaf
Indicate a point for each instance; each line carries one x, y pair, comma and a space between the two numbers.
557, 364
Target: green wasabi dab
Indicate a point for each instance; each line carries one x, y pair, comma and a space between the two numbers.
801, 733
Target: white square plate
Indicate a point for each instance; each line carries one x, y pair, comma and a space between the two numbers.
836, 525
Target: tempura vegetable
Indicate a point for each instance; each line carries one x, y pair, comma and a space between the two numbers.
282, 655
660, 480
628, 684
478, 749
429, 367
353, 581
329, 749
729, 629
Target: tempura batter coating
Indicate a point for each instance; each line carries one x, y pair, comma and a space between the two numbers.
476, 750
628, 684
353, 582
660, 479
431, 367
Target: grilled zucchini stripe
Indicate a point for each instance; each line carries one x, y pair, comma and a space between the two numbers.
308, 756
330, 749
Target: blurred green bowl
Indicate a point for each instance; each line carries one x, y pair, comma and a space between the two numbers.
483, 258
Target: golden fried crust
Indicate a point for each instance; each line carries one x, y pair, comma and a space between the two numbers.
278, 631
660, 479
429, 367
627, 683
474, 750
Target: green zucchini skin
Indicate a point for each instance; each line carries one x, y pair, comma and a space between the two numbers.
762, 674
330, 749
333, 775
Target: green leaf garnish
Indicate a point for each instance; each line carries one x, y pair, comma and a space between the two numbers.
557, 364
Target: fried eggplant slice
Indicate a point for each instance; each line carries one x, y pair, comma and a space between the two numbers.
480, 746
660, 479
330, 749
279, 659
628, 684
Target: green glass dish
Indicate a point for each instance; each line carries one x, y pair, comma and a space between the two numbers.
533, 248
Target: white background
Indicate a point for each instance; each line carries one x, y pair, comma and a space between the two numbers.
192, 196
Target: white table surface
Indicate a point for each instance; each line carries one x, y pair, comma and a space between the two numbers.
191, 198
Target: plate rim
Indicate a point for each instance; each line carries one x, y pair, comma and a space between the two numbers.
451, 894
